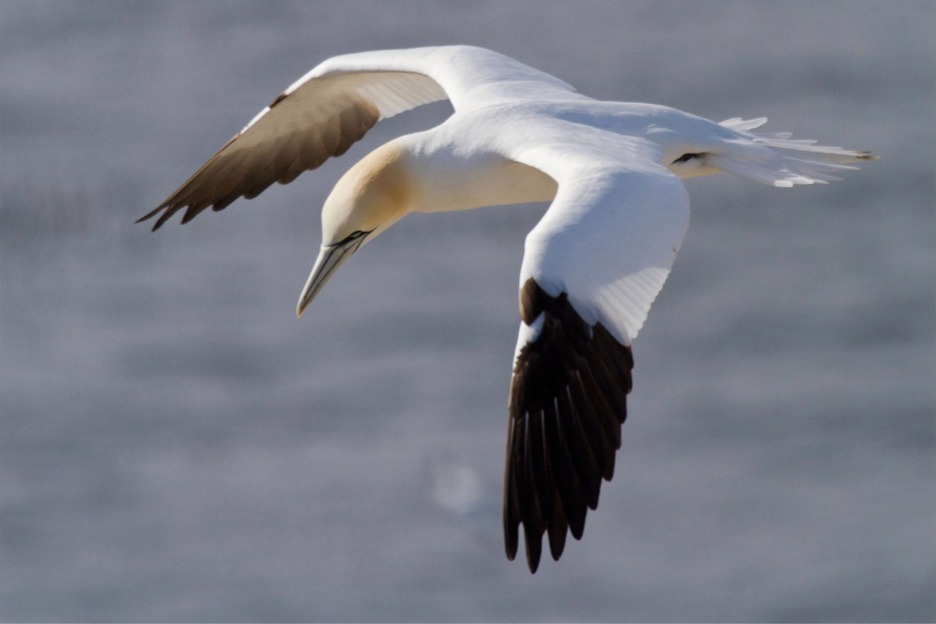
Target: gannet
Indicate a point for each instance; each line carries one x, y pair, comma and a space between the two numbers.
591, 267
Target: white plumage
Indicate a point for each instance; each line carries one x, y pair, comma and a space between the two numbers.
592, 266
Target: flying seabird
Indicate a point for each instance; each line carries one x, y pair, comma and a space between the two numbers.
591, 267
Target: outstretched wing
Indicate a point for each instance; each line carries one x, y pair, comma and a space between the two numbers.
322, 114
591, 269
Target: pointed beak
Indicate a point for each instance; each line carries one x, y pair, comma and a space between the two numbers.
329, 259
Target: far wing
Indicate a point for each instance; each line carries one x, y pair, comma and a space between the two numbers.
301, 129
591, 269
334, 105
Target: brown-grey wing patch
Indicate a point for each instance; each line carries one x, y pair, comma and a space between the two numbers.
567, 404
298, 132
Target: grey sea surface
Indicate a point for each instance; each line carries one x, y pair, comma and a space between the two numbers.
176, 446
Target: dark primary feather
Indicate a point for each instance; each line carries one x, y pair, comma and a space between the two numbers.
290, 138
567, 403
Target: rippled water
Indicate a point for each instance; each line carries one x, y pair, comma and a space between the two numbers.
176, 446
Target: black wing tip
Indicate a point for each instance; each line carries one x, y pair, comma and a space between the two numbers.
511, 540
534, 551
512, 543
148, 215
168, 210
159, 222
574, 378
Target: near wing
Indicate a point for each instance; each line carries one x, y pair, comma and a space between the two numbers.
334, 105
591, 269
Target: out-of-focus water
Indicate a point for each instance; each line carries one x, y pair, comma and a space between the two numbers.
177, 446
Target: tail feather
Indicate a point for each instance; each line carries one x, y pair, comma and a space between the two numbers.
788, 161
743, 125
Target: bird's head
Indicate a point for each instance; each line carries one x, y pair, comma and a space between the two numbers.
373, 195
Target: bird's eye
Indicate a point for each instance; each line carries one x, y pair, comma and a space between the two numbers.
687, 157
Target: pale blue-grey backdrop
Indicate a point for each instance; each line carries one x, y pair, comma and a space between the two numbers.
177, 446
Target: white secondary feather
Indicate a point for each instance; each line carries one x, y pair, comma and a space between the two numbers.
399, 80
611, 234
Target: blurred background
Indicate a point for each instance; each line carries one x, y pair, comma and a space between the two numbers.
177, 446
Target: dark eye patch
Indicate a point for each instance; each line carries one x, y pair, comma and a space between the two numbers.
687, 157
